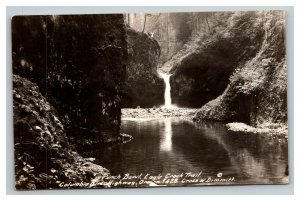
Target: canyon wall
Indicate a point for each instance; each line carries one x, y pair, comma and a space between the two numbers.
69, 72
79, 64
257, 89
202, 68
143, 87
236, 71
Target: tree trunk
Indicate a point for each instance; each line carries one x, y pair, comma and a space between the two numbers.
206, 19
168, 38
197, 25
128, 18
145, 20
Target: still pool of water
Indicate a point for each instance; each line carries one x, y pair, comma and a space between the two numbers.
163, 146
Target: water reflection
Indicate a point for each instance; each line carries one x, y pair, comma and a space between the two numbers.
166, 140
255, 157
172, 145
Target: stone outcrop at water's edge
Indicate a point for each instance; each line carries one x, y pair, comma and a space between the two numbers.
158, 113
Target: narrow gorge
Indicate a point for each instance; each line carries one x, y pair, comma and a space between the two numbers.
105, 96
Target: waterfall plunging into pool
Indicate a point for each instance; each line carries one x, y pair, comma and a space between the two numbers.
167, 94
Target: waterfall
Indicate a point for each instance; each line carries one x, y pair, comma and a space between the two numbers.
168, 100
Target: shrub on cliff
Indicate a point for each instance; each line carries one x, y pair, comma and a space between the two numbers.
43, 156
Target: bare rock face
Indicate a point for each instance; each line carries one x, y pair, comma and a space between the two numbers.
202, 68
257, 91
143, 87
79, 64
43, 156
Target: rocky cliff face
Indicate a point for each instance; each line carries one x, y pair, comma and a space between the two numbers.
79, 64
202, 68
43, 156
257, 89
143, 87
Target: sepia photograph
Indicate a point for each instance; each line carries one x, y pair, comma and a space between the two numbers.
135, 100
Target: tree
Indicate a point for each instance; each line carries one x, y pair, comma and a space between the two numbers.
182, 29
145, 21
